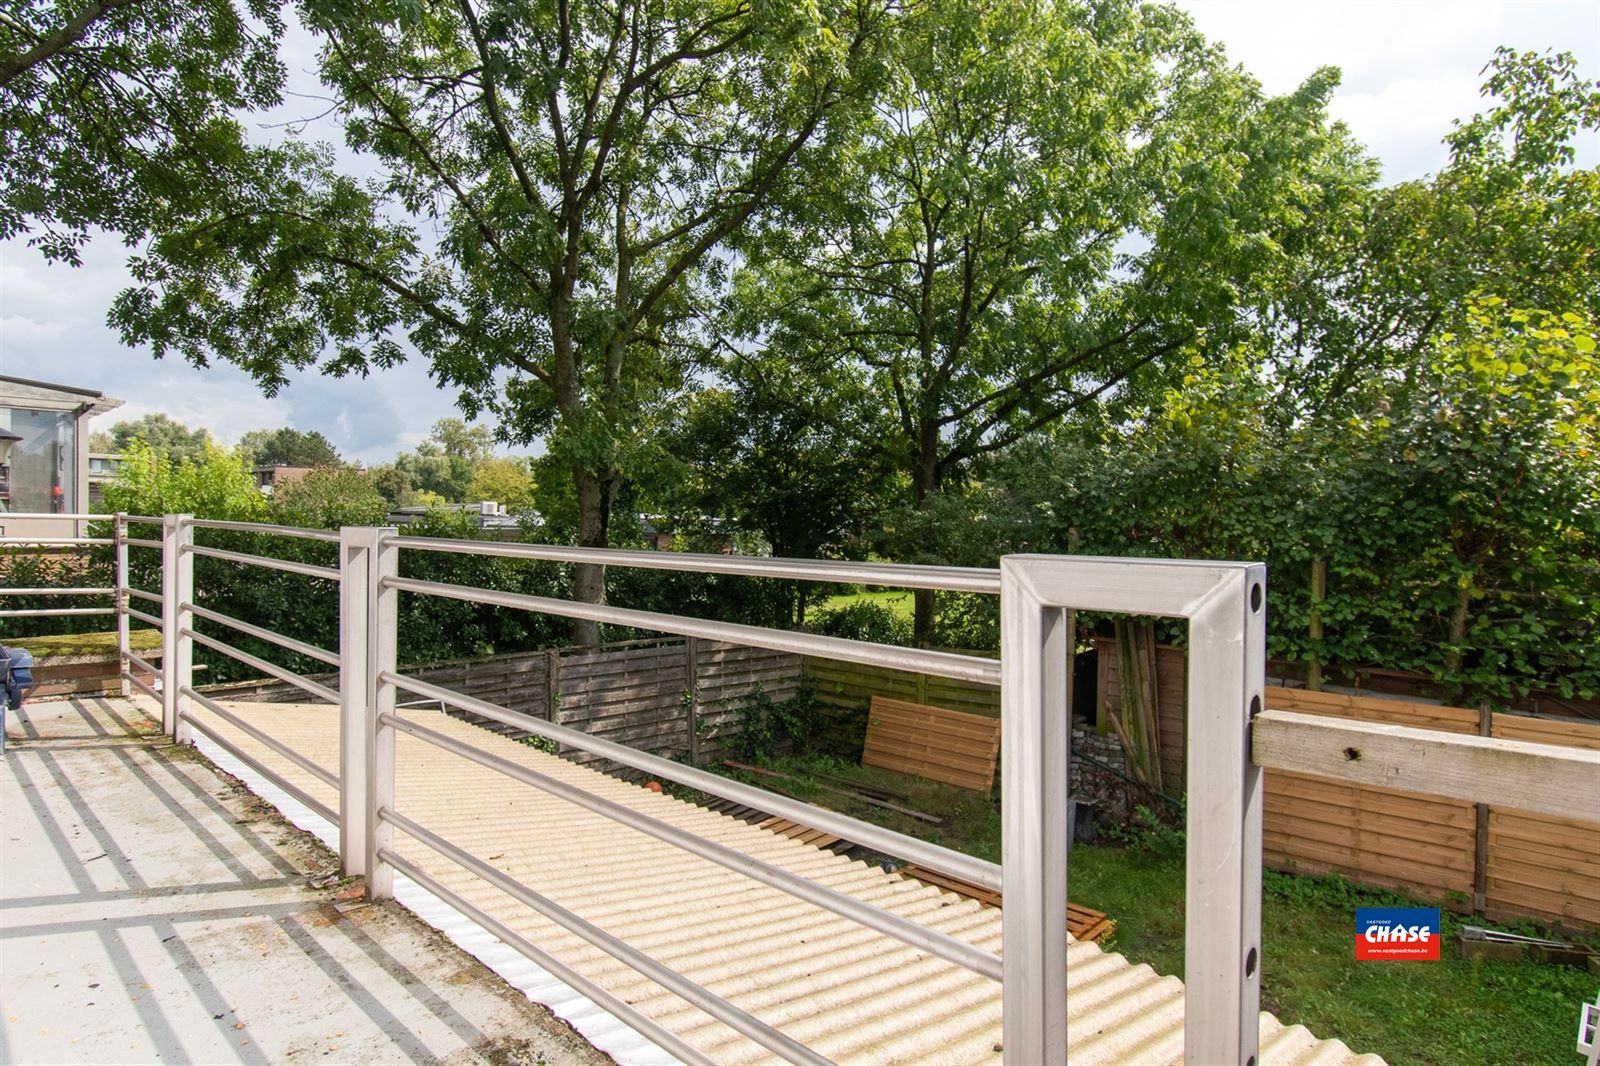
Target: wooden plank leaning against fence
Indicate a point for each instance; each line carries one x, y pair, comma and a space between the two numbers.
932, 743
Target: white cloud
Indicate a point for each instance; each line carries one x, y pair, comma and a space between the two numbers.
1410, 66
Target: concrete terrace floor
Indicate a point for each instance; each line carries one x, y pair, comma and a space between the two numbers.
152, 910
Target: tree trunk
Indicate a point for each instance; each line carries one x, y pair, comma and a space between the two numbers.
924, 486
594, 528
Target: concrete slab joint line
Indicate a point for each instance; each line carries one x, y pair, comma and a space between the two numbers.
154, 911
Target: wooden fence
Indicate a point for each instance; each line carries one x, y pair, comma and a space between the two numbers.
1478, 858
673, 697
844, 691
676, 698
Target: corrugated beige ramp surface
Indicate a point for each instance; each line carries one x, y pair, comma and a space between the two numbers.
854, 995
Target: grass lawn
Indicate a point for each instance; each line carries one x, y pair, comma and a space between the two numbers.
86, 643
897, 600
1439, 1014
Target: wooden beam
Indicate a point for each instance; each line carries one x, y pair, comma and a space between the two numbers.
1519, 774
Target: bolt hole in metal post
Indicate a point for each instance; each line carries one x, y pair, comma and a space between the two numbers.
1255, 706
1250, 963
1255, 598
1352, 754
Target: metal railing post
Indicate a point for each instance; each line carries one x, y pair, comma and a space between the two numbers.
356, 545
1222, 899
177, 650
1035, 751
382, 618
120, 534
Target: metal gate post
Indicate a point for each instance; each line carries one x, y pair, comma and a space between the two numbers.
177, 650
1222, 897
1035, 751
120, 535
356, 545
1225, 605
383, 561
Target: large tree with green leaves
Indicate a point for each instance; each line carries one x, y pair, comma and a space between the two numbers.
555, 182
112, 110
1052, 207
1508, 215
287, 446
163, 434
779, 451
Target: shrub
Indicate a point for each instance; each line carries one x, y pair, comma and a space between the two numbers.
863, 620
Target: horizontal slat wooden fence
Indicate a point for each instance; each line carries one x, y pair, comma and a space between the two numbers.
1484, 859
845, 690
1379, 836
931, 742
1538, 865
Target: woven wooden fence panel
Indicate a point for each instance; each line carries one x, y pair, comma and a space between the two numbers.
931, 742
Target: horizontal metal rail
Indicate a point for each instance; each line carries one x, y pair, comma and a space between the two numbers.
288, 643
233, 749
616, 1006
75, 516
309, 569
735, 1018
933, 941
331, 536
289, 676
147, 619
134, 660
897, 575
54, 542
57, 612
142, 519
326, 777
153, 693
932, 856
888, 656
57, 592
149, 597
140, 542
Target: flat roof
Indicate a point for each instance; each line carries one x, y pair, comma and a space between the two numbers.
99, 402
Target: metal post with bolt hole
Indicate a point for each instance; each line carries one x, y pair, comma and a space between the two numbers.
383, 609
1224, 604
177, 648
120, 599
356, 546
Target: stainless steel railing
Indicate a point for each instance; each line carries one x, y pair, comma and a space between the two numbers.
1231, 739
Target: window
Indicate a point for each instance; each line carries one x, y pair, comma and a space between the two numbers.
44, 469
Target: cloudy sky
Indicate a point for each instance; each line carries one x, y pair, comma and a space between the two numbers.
1410, 67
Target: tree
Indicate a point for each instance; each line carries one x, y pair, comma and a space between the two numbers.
211, 483
508, 482
329, 497
1508, 214
582, 167
111, 109
165, 436
287, 447
779, 454
1052, 209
